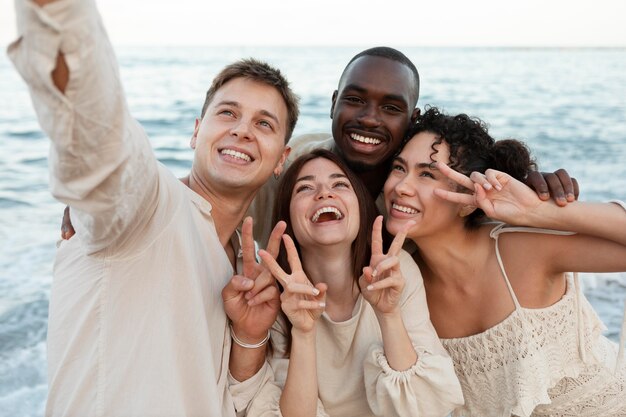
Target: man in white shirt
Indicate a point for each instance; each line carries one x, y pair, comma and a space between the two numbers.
137, 325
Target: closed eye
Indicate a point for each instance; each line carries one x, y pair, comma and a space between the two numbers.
426, 174
341, 184
303, 187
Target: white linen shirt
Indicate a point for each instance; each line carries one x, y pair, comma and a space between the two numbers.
136, 321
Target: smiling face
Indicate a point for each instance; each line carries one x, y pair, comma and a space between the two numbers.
371, 110
240, 140
409, 189
324, 208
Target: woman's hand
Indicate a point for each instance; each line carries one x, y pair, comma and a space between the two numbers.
301, 302
499, 195
382, 281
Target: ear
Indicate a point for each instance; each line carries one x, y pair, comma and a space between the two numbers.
415, 115
332, 106
279, 167
194, 137
466, 210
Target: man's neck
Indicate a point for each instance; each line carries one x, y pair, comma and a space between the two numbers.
374, 179
227, 209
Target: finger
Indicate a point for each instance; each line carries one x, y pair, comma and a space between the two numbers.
292, 254
390, 282
479, 178
555, 188
236, 285
493, 176
67, 230
566, 183
537, 182
269, 294
398, 240
300, 288
483, 202
274, 268
386, 265
576, 188
273, 244
265, 279
455, 176
247, 247
455, 197
310, 305
377, 236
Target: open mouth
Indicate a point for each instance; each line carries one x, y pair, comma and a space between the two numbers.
404, 209
236, 155
326, 214
364, 139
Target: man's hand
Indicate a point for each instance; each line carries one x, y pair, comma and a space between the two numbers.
67, 230
558, 184
252, 300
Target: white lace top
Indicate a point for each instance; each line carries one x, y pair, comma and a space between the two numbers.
550, 361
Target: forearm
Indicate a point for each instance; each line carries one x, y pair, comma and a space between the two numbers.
602, 220
245, 363
299, 397
99, 154
397, 345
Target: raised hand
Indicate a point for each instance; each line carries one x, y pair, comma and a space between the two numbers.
499, 195
251, 300
301, 302
382, 281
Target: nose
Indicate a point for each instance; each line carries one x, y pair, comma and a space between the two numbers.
404, 188
242, 129
369, 116
324, 193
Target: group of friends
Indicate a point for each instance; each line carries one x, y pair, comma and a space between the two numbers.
463, 299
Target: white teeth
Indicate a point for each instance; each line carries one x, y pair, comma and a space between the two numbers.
318, 213
235, 154
404, 209
364, 139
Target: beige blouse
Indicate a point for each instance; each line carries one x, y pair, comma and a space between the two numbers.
354, 378
550, 361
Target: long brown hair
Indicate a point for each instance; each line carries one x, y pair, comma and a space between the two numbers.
361, 247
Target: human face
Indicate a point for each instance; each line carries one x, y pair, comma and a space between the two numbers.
372, 110
241, 138
324, 208
409, 189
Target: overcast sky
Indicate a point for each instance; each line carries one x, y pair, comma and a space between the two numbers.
358, 22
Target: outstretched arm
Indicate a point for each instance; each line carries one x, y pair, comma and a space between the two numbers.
100, 160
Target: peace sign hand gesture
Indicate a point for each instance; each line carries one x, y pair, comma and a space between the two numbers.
251, 301
382, 281
499, 195
302, 302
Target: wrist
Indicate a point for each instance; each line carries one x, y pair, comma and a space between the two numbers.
304, 335
249, 342
388, 316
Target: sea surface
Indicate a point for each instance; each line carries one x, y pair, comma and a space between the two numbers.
569, 105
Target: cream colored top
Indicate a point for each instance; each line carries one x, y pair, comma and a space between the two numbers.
550, 361
136, 321
354, 378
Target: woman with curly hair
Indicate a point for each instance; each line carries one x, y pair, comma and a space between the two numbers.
523, 338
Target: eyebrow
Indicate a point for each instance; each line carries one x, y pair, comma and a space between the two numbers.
237, 105
312, 177
393, 97
419, 165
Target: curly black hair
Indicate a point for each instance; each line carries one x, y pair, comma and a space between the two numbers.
473, 149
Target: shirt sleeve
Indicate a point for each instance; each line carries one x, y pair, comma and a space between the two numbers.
101, 163
267, 402
430, 387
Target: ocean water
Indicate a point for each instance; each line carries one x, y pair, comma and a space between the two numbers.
569, 105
